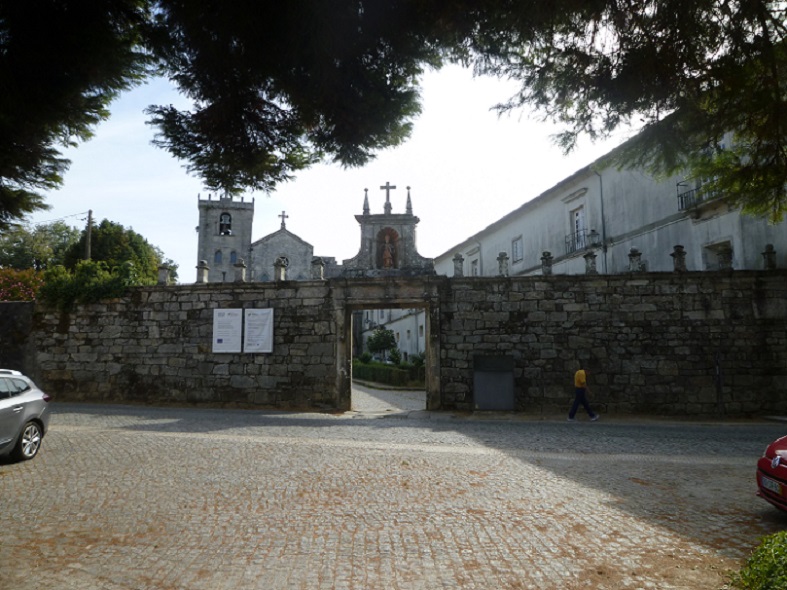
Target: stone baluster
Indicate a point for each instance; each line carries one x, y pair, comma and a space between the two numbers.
769, 257
459, 262
546, 263
280, 269
240, 271
202, 271
590, 263
318, 268
725, 258
679, 258
635, 260
502, 263
163, 275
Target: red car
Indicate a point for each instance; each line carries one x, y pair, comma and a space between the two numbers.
772, 474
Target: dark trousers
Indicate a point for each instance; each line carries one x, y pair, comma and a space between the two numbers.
580, 398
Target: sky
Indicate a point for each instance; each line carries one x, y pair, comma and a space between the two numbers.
466, 167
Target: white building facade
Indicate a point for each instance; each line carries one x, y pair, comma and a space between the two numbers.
614, 221
407, 326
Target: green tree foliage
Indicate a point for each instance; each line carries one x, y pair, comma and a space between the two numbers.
114, 245
381, 341
88, 282
37, 248
278, 89
707, 79
278, 86
61, 64
19, 285
395, 356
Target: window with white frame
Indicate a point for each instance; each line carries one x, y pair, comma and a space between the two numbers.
516, 249
578, 228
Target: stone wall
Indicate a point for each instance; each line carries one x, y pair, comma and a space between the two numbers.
668, 344
16, 347
689, 343
156, 346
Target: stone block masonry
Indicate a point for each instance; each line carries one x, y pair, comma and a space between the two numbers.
689, 344
654, 343
155, 346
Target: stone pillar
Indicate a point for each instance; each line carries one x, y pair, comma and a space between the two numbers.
202, 271
240, 271
163, 275
725, 258
546, 263
459, 262
635, 260
502, 263
318, 268
590, 263
769, 257
679, 258
280, 269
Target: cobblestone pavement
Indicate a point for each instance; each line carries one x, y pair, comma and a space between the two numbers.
367, 399
125, 497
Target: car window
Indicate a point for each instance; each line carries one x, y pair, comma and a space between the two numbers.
19, 385
5, 388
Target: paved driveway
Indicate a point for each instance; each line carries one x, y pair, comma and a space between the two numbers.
148, 498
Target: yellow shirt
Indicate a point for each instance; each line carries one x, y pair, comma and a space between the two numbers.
580, 379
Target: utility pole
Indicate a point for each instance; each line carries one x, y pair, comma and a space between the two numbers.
87, 233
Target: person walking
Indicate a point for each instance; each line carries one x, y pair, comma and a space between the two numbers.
581, 391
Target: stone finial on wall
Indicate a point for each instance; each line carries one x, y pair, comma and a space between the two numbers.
635, 260
769, 257
280, 268
318, 268
202, 271
546, 263
679, 258
502, 263
590, 263
724, 256
163, 275
459, 262
240, 271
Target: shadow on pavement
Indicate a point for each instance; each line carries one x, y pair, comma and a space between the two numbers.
694, 479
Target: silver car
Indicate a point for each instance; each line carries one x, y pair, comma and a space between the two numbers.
24, 415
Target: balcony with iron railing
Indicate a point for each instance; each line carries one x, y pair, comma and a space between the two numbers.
691, 199
580, 240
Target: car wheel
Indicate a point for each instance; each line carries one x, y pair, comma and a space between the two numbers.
29, 442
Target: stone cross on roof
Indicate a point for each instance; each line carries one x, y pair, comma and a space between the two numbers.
283, 217
387, 188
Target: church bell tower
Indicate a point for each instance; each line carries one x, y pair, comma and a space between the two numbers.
224, 235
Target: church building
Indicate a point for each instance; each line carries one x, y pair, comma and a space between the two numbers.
225, 247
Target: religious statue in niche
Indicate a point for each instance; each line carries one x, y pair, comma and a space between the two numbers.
387, 252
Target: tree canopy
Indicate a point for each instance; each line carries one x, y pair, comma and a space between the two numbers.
38, 248
61, 65
381, 341
276, 87
115, 245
